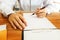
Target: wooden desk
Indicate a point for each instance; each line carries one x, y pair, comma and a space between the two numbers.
17, 34
55, 19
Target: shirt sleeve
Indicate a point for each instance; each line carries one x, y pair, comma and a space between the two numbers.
7, 7
51, 7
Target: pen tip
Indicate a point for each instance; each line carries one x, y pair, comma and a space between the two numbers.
33, 13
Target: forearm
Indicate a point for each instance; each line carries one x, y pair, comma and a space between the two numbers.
52, 7
49, 9
7, 7
7, 11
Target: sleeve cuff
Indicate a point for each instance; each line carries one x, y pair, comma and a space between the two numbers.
8, 13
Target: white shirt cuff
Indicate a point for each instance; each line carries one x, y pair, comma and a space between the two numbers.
6, 13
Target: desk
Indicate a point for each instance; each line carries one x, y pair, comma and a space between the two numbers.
55, 19
17, 34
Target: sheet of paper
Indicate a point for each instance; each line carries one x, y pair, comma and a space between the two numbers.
42, 35
37, 23
44, 32
2, 27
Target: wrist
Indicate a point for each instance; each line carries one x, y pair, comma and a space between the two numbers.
10, 14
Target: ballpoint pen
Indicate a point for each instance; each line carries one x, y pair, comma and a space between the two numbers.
41, 8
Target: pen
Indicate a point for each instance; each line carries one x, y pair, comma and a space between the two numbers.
41, 8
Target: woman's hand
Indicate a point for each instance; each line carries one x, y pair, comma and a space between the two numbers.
17, 21
40, 13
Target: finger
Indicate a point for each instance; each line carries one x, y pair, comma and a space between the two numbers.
20, 22
43, 10
23, 20
38, 8
17, 24
13, 25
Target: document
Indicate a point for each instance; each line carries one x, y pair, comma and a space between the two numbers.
37, 23
39, 29
42, 35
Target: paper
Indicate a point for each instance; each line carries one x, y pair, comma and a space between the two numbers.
37, 23
40, 29
2, 27
42, 35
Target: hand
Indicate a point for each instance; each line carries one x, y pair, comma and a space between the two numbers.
17, 21
20, 12
40, 13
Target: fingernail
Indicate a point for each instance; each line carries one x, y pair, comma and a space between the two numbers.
20, 28
15, 28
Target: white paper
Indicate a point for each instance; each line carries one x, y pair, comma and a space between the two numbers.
2, 27
37, 23
42, 35
45, 29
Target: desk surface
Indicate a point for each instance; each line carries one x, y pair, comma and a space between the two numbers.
17, 34
55, 19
